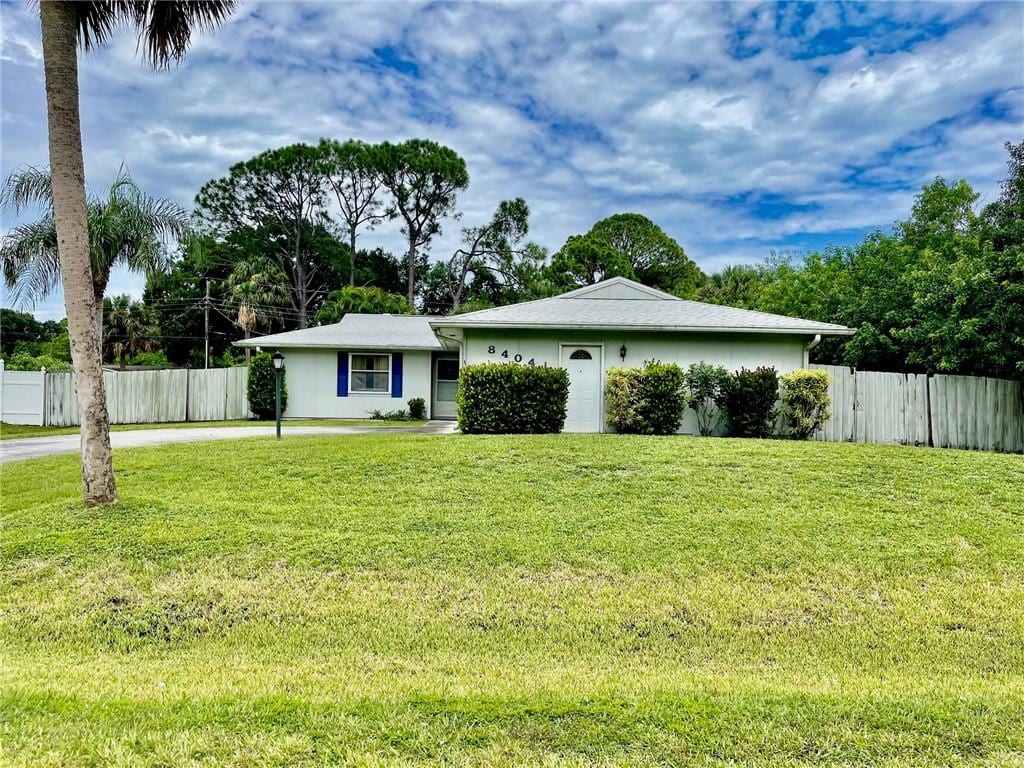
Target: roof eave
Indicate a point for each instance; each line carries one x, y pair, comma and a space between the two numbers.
252, 343
840, 331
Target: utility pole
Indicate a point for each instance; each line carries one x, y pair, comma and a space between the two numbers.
206, 326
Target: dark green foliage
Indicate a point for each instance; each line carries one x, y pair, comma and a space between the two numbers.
22, 361
508, 398
655, 258
359, 300
626, 245
20, 331
646, 401
805, 402
943, 293
417, 408
749, 400
584, 260
704, 386
261, 387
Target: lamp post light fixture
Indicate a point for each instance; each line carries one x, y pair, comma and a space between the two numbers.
278, 359
622, 352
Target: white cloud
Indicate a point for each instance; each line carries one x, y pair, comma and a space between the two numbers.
690, 113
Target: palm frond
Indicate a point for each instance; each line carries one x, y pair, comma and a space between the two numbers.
27, 186
29, 259
165, 28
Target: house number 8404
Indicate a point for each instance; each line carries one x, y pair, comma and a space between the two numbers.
492, 350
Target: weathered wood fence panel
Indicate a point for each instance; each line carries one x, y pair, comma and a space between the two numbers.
984, 414
840, 428
918, 409
153, 397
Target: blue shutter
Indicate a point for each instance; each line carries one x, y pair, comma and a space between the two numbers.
343, 374
396, 374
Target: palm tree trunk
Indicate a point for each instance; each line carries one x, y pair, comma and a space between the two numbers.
60, 65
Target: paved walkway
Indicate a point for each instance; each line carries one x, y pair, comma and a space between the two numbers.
35, 447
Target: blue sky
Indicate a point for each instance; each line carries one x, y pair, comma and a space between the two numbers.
739, 128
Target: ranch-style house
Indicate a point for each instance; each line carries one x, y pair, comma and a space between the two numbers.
378, 362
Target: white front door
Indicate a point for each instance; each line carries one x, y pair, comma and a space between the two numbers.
446, 384
583, 412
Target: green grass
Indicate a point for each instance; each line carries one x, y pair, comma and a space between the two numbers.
408, 600
12, 431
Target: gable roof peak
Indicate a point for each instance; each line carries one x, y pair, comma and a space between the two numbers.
619, 288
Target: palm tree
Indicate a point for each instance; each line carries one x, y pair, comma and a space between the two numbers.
127, 227
259, 290
131, 328
164, 29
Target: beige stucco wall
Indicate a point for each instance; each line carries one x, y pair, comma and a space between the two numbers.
312, 377
734, 350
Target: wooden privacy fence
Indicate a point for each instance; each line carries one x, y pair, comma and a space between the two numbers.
921, 409
149, 397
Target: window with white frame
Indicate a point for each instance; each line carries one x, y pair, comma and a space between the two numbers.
370, 373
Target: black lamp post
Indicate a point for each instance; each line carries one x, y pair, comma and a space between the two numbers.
278, 359
622, 352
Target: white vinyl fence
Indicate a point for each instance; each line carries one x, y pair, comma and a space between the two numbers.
22, 396
920, 409
133, 397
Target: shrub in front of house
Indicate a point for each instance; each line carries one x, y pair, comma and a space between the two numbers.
508, 398
805, 402
749, 401
261, 387
705, 384
622, 396
417, 408
646, 401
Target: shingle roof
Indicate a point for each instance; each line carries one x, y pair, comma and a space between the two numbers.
622, 303
358, 332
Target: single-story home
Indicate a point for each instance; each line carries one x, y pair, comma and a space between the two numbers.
378, 362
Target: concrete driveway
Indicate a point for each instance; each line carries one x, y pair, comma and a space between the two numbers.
36, 447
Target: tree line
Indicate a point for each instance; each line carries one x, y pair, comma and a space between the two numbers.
274, 245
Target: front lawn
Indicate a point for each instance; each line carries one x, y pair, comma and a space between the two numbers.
573, 600
12, 431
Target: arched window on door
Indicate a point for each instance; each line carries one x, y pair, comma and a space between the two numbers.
580, 354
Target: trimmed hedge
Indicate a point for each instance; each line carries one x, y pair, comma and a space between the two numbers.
509, 398
261, 387
646, 401
749, 399
805, 402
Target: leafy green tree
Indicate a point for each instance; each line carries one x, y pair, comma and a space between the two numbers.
352, 175
424, 179
18, 328
968, 289
379, 268
584, 260
130, 328
495, 242
656, 259
736, 285
178, 299
278, 196
358, 300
